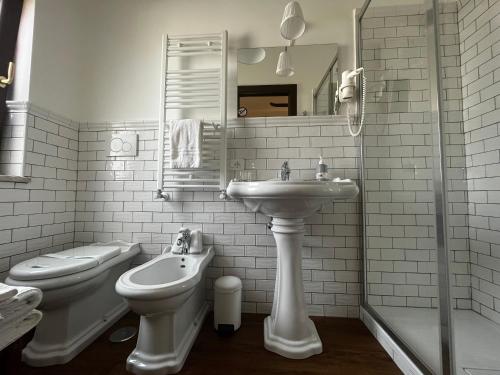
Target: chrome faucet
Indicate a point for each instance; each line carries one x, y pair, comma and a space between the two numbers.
184, 240
285, 171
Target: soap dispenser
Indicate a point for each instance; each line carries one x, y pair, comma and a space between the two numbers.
322, 174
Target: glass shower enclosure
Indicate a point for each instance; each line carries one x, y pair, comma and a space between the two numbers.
323, 96
430, 172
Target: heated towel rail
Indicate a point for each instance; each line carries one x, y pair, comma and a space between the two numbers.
193, 85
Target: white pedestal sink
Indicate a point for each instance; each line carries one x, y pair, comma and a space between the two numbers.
289, 331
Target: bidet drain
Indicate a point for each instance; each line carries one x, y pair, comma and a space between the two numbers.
123, 334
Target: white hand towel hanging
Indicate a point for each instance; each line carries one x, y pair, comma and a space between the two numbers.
185, 143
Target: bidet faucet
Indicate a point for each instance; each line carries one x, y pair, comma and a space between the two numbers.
184, 241
285, 171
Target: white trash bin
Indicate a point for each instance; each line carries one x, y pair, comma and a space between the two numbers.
227, 304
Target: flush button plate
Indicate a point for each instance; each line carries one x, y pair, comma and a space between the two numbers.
122, 144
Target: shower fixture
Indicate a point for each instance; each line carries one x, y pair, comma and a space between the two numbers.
284, 67
292, 24
292, 27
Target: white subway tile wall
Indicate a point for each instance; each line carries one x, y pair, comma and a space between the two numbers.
12, 144
454, 140
398, 158
115, 200
479, 29
78, 195
38, 216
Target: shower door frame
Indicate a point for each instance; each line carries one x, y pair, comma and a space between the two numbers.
447, 363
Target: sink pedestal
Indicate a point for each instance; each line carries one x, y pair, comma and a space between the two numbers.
289, 331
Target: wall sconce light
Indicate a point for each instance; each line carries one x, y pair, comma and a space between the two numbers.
292, 27
251, 56
284, 67
292, 24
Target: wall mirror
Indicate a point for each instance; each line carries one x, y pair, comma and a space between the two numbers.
297, 80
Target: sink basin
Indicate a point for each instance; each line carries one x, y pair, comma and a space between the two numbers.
290, 199
288, 331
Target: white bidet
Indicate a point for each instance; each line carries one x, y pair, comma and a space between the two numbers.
169, 294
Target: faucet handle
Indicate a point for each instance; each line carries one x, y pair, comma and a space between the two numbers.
285, 171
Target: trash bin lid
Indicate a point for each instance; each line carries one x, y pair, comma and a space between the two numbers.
227, 284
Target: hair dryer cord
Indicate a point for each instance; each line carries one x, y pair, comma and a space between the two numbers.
363, 104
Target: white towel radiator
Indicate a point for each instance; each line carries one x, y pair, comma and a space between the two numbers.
193, 85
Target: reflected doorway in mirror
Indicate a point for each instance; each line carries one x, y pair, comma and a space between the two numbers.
267, 100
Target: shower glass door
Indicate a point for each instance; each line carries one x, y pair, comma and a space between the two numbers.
401, 283
470, 57
431, 180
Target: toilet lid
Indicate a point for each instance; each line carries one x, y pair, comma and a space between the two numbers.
99, 253
46, 267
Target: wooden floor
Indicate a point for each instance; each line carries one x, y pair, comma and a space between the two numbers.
348, 349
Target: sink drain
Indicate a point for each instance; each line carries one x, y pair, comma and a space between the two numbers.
123, 334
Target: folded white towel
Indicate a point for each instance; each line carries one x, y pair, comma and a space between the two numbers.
196, 245
185, 143
6, 292
19, 327
21, 304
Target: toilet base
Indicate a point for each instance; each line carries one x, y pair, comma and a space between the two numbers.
157, 352
39, 354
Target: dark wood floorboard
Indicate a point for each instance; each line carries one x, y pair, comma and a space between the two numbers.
348, 349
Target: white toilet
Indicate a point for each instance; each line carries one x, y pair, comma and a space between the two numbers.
79, 300
169, 294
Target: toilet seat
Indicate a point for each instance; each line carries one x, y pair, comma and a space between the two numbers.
46, 267
66, 262
99, 253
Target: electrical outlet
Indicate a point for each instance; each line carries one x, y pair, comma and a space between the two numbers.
237, 164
